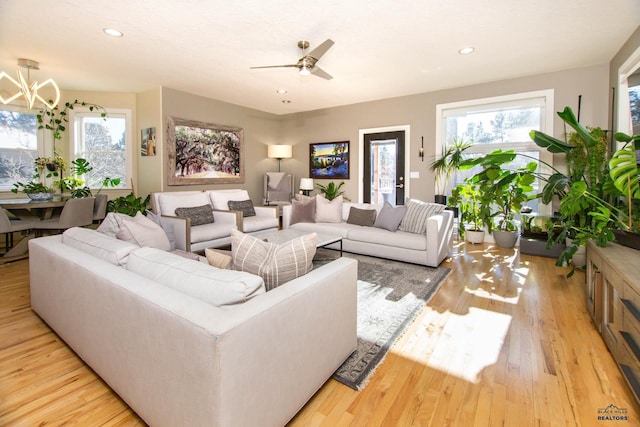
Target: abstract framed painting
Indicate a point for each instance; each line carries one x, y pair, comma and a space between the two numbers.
203, 153
329, 160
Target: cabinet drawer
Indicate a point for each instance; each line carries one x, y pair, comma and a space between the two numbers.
630, 370
631, 294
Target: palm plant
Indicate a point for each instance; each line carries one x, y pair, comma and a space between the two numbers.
448, 163
331, 190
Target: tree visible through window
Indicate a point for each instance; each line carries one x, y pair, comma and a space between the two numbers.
18, 147
102, 142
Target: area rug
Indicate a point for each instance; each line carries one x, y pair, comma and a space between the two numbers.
390, 295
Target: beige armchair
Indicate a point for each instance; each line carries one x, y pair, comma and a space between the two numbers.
278, 189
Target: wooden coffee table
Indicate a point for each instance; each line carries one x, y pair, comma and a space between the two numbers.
288, 234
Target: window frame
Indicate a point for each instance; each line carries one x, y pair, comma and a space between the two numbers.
493, 104
84, 112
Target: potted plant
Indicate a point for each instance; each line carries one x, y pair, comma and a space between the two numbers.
474, 211
626, 178
446, 165
77, 185
504, 190
33, 190
129, 204
331, 190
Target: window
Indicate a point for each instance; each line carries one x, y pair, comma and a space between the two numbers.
105, 143
18, 146
499, 123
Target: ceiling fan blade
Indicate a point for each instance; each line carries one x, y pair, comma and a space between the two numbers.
317, 71
321, 49
275, 66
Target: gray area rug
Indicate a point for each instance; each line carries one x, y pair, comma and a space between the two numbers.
390, 295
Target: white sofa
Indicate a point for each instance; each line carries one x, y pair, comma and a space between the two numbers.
428, 249
179, 361
218, 233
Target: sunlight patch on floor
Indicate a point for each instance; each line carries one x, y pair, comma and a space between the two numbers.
469, 343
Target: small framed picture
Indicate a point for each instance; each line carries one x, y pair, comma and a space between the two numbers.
148, 145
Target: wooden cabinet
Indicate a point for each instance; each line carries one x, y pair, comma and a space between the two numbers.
613, 301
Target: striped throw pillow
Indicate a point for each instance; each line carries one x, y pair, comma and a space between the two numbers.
276, 264
415, 220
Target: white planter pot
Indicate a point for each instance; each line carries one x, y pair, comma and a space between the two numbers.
580, 257
474, 236
505, 239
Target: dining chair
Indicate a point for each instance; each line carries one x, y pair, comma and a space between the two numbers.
75, 213
8, 226
100, 208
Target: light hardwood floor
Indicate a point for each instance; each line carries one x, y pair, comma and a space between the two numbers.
505, 341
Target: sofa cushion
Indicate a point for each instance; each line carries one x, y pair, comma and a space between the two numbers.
111, 223
391, 239
206, 232
167, 227
220, 198
198, 215
364, 217
100, 245
331, 228
257, 223
199, 280
244, 206
415, 220
328, 210
168, 203
143, 232
276, 264
303, 210
390, 217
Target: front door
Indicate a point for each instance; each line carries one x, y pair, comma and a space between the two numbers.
384, 179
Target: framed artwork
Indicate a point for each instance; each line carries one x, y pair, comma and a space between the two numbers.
148, 145
203, 153
329, 160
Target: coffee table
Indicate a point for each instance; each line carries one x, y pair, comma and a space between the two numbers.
288, 234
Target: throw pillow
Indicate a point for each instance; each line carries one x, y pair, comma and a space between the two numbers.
303, 211
276, 264
111, 223
415, 220
143, 232
365, 217
198, 215
217, 258
245, 206
166, 226
328, 210
390, 217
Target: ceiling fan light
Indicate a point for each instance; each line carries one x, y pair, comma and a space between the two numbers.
304, 71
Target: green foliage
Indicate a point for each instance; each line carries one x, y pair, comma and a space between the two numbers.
474, 212
56, 119
77, 185
448, 163
129, 204
331, 190
30, 188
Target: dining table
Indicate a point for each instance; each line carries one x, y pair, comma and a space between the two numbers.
36, 209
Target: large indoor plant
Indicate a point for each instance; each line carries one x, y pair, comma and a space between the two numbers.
474, 211
626, 177
445, 165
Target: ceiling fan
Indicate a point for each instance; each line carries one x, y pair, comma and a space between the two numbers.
307, 64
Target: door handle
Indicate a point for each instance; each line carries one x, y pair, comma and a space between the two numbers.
400, 186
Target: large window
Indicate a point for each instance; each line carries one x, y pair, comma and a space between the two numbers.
498, 123
18, 146
106, 143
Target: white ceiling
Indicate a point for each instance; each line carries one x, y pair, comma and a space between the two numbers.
383, 48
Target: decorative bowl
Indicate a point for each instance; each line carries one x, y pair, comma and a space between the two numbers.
39, 197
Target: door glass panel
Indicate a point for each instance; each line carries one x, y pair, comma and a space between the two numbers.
383, 155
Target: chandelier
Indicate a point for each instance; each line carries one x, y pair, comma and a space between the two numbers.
27, 89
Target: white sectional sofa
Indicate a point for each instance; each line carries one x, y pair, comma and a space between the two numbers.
178, 360
198, 237
430, 248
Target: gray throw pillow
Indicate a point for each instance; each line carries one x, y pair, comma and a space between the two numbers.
389, 217
415, 220
303, 211
198, 215
365, 217
245, 206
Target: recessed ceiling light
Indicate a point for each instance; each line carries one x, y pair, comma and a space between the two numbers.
281, 91
466, 50
112, 32
286, 101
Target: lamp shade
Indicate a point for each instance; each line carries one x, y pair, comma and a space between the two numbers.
279, 151
306, 183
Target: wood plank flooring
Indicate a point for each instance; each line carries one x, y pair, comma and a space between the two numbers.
505, 341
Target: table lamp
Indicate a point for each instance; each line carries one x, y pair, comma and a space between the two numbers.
306, 185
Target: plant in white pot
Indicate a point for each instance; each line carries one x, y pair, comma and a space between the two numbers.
474, 213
